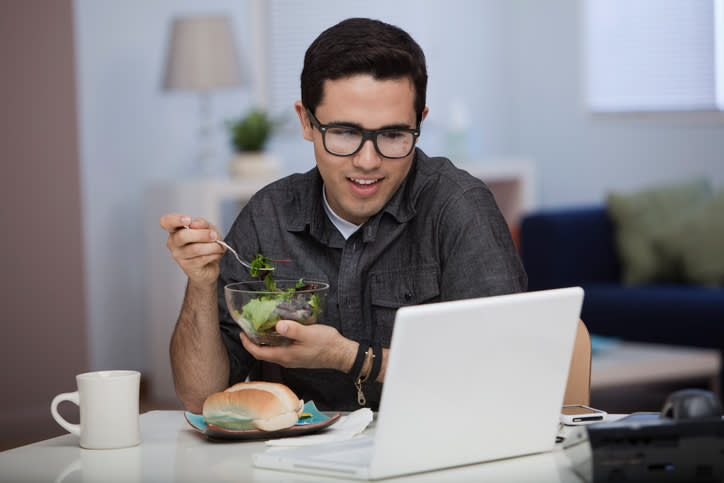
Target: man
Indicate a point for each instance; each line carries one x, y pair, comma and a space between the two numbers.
381, 222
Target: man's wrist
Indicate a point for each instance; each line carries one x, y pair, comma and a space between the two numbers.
348, 354
202, 285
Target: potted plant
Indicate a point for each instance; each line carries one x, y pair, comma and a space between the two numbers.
249, 135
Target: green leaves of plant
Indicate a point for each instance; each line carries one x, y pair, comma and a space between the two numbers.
251, 132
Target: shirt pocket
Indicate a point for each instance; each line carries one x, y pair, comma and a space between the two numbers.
391, 290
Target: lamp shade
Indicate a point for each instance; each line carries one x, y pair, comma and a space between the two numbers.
201, 54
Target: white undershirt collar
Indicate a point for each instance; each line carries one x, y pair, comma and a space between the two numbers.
345, 227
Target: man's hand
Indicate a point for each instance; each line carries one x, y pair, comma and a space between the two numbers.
315, 346
195, 250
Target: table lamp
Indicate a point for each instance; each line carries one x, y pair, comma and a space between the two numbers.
202, 56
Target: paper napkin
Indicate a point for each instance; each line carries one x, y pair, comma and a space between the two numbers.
347, 427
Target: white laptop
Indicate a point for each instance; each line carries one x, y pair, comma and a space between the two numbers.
467, 381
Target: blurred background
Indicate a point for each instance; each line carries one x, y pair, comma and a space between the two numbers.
94, 133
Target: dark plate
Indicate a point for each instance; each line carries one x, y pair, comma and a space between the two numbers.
308, 425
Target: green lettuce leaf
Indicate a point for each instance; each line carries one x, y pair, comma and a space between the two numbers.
259, 313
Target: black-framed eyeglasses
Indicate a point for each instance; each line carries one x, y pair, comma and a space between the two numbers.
342, 140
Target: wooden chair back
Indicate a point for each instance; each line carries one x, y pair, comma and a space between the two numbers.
578, 389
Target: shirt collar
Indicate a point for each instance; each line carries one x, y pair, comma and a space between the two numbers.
307, 209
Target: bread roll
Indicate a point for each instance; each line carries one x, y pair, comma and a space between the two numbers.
267, 406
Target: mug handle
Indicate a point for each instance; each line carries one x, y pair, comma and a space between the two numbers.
67, 396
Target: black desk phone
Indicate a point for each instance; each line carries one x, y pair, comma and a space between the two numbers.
682, 443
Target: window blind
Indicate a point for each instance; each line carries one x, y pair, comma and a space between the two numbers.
654, 55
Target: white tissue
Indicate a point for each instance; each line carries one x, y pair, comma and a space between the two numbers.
347, 427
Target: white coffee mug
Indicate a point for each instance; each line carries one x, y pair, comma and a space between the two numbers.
108, 402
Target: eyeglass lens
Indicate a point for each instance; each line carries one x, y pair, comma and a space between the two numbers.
393, 144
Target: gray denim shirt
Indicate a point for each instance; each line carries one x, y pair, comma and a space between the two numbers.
441, 237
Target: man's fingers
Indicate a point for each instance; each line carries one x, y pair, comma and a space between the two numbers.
191, 243
173, 222
198, 235
199, 251
310, 347
265, 353
200, 223
183, 231
290, 328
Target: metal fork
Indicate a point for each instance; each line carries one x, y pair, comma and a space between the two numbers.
262, 271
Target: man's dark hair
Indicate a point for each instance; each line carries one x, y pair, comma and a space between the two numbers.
363, 46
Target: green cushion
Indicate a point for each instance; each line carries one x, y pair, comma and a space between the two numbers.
696, 243
640, 218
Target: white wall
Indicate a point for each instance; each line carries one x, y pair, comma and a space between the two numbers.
516, 64
581, 157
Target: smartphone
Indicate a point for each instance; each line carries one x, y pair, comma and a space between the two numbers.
578, 414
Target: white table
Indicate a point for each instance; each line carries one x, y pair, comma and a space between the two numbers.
172, 451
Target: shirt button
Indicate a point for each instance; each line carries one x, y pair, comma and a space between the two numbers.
408, 296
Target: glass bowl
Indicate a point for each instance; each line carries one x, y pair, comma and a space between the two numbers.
257, 309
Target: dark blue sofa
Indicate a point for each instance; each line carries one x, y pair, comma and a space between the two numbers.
575, 246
